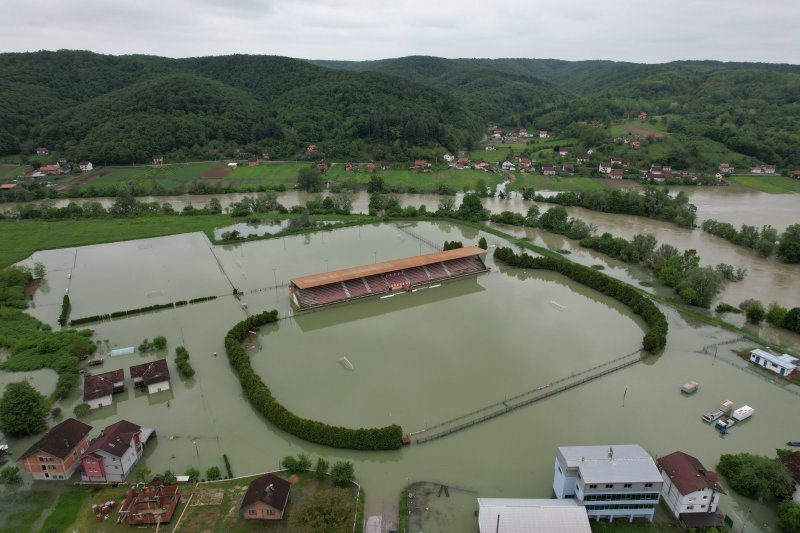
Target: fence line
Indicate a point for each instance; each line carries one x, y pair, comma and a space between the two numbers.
540, 393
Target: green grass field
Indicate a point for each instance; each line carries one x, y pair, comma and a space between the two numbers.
169, 176
556, 183
279, 172
8, 172
20, 238
66, 509
770, 184
19, 510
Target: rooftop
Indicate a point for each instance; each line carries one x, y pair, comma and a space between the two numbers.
270, 489
316, 280
99, 385
627, 463
152, 372
61, 439
526, 516
115, 439
785, 360
688, 474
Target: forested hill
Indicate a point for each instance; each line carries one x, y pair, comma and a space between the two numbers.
122, 109
125, 109
752, 108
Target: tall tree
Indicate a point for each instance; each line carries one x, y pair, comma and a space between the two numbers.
22, 410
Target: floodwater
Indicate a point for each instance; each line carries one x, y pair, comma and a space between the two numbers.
418, 359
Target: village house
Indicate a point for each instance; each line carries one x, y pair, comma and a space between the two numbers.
617, 174
544, 134
490, 148
311, 150
7, 186
582, 158
253, 162
523, 132
642, 116
113, 454
617, 161
385, 165
548, 170
762, 169
157, 159
563, 151
265, 154
449, 157
635, 144
266, 498
611, 482
57, 454
725, 168
85, 166
508, 165
53, 169
370, 166
323, 166
153, 376
783, 365
99, 389
690, 491
462, 163
655, 170
507, 515
604, 168
525, 163
150, 505
421, 165
349, 167
568, 168
42, 151
796, 174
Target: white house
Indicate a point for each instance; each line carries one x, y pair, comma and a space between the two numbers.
508, 165
605, 167
563, 151
783, 365
85, 166
544, 134
99, 389
619, 481
113, 454
153, 376
690, 491
449, 157
526, 516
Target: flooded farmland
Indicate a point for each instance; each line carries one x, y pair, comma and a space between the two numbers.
418, 359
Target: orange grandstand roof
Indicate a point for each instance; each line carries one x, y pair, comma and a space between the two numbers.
316, 280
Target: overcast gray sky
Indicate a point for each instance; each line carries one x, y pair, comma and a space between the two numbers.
629, 30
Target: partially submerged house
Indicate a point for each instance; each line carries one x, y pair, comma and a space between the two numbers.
98, 389
782, 364
266, 498
690, 491
113, 454
508, 515
57, 454
153, 376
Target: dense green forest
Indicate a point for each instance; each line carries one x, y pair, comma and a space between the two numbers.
123, 109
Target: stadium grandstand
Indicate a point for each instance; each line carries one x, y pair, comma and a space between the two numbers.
339, 286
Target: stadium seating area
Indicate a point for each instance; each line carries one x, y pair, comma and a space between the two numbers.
377, 284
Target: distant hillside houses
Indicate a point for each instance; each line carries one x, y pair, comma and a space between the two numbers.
762, 169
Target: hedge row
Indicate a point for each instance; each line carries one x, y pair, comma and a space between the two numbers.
260, 397
117, 314
65, 309
654, 340
182, 361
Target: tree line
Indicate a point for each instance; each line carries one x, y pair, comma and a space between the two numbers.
765, 242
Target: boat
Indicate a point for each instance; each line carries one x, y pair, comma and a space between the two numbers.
690, 387
724, 425
718, 413
793, 443
743, 413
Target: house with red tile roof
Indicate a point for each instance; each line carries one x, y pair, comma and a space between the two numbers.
266, 498
690, 490
114, 453
57, 454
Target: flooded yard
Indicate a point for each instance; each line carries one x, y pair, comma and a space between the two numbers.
417, 358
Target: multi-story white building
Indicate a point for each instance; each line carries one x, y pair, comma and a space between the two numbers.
114, 453
690, 491
611, 482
